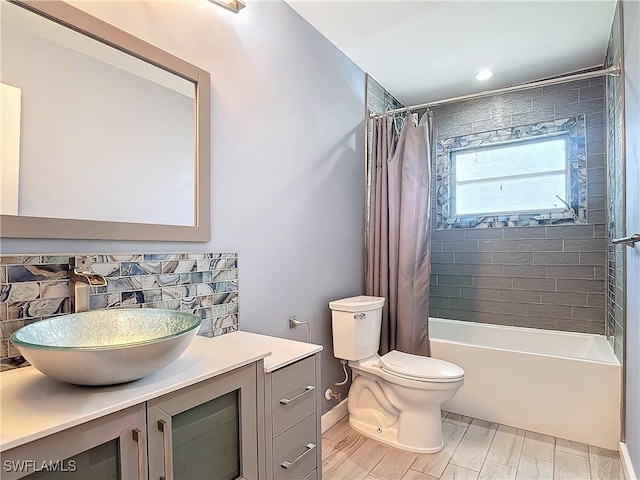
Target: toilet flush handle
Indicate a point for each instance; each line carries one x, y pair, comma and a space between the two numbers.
359, 316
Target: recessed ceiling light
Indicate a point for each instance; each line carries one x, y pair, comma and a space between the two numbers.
483, 74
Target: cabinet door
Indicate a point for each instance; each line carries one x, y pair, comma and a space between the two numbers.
206, 431
109, 448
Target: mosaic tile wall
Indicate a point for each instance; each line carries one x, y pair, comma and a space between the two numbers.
616, 193
546, 276
34, 287
576, 206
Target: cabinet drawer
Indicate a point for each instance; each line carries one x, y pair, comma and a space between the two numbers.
293, 394
312, 476
295, 451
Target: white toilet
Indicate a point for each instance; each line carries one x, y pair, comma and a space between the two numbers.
396, 398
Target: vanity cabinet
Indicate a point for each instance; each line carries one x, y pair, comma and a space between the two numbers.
292, 404
109, 447
239, 405
206, 430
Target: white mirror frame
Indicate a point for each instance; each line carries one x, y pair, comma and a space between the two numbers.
15, 226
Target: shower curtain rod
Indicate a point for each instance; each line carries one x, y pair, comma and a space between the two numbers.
614, 71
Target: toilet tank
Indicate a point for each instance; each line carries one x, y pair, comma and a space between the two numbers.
356, 323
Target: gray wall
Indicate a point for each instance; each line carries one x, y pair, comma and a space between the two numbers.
287, 149
631, 18
548, 277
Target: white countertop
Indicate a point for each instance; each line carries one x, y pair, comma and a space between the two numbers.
33, 405
283, 351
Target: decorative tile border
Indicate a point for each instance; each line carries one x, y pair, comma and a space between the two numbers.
576, 213
34, 287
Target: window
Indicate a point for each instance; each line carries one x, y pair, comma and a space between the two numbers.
522, 176
526, 175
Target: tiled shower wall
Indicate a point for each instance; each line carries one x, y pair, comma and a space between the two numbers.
616, 193
34, 287
550, 277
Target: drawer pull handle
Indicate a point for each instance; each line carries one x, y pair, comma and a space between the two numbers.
308, 388
309, 448
162, 426
136, 433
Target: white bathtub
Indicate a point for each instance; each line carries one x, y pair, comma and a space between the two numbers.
563, 384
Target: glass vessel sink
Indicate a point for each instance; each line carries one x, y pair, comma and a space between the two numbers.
106, 347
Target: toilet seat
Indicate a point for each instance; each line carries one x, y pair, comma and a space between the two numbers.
419, 368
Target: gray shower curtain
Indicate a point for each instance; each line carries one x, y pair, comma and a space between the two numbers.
399, 246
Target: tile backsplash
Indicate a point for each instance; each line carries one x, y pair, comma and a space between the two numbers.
34, 287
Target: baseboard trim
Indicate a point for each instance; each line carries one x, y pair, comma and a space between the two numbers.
627, 466
333, 416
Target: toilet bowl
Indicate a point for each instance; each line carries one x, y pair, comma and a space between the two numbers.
395, 399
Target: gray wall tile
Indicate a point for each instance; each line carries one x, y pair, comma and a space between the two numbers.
535, 322
556, 258
559, 98
493, 282
441, 257
566, 271
589, 93
474, 258
495, 318
554, 245
552, 272
497, 246
539, 114
439, 302
455, 314
592, 314
479, 293
523, 232
462, 246
596, 300
563, 298
585, 245
448, 268
487, 306
569, 231
524, 296
540, 284
454, 280
596, 118
482, 233
589, 286
534, 271
444, 291
484, 270
508, 258
550, 311
589, 106
581, 326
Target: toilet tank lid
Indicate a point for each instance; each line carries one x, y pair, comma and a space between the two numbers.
361, 303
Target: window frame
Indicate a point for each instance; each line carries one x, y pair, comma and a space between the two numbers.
520, 142
572, 129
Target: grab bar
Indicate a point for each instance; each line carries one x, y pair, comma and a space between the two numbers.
628, 241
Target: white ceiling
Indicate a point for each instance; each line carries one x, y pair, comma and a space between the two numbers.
428, 50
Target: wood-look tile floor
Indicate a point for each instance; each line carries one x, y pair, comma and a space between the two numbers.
474, 450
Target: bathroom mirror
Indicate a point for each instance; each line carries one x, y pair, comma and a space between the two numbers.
104, 136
